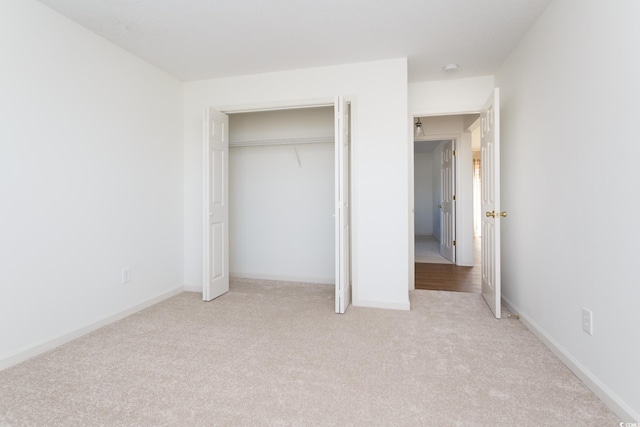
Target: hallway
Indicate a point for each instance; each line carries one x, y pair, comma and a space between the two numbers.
450, 277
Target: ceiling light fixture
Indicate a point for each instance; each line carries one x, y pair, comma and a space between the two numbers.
449, 68
418, 127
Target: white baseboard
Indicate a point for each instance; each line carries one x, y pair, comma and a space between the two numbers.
405, 306
617, 405
33, 350
265, 279
320, 281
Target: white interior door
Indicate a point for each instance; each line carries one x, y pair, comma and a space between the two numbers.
342, 252
490, 161
216, 204
448, 211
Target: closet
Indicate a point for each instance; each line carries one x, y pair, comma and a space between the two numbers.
282, 195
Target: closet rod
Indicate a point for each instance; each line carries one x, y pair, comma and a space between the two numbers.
291, 141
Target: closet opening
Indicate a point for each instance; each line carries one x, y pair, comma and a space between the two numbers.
282, 195
277, 223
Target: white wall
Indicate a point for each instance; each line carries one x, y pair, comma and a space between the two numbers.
282, 124
281, 211
464, 201
90, 179
442, 126
380, 239
424, 184
570, 106
449, 96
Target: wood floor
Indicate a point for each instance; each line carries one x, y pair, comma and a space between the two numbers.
449, 277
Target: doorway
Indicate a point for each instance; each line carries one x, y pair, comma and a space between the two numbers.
491, 214
428, 190
446, 254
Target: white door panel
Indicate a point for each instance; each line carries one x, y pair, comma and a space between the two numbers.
342, 239
216, 206
491, 214
448, 211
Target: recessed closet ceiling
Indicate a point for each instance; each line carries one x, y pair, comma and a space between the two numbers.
197, 39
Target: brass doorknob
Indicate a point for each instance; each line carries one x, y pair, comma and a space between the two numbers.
491, 214
503, 214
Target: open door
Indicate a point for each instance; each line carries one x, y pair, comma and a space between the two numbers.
448, 211
342, 252
490, 161
216, 205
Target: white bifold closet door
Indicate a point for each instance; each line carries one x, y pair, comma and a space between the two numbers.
342, 143
216, 204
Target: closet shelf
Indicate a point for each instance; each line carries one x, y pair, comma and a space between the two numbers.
290, 141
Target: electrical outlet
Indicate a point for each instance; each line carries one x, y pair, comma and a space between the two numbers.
587, 321
126, 275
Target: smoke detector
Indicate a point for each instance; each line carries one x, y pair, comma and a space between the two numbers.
450, 68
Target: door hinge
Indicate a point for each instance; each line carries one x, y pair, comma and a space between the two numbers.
454, 243
454, 198
454, 152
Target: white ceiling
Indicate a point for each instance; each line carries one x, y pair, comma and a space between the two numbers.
197, 39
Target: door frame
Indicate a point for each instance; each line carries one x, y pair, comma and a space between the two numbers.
352, 166
458, 136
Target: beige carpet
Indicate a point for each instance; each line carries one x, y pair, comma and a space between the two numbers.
276, 355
